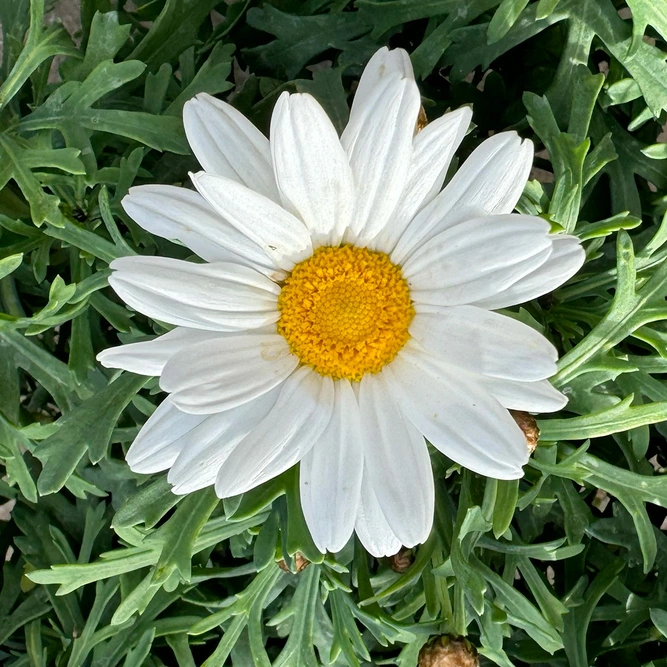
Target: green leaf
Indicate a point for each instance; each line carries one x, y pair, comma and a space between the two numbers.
567, 151
414, 572
631, 308
137, 654
631, 489
172, 32
106, 39
625, 90
347, 638
545, 7
10, 389
179, 533
504, 18
659, 619
615, 419
300, 38
520, 612
17, 470
646, 13
88, 241
550, 606
577, 514
147, 505
384, 15
130, 559
656, 151
43, 206
609, 226
10, 264
211, 78
50, 372
551, 551
644, 62
427, 54
470, 48
581, 467
506, 499
264, 552
88, 428
34, 606
74, 101
82, 645
298, 651
578, 619
40, 45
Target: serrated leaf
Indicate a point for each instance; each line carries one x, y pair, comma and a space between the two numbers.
86, 429
300, 38
644, 13
74, 101
105, 40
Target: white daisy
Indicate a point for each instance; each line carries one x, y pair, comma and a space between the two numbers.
344, 310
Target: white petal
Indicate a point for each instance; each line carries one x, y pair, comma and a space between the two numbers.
566, 258
383, 66
218, 297
378, 141
283, 437
490, 182
371, 526
476, 259
227, 144
183, 215
457, 415
529, 396
312, 169
222, 374
207, 446
280, 235
484, 342
158, 444
433, 149
149, 357
398, 464
330, 475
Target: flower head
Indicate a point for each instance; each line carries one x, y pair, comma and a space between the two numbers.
344, 309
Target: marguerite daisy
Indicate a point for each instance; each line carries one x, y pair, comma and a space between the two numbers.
343, 314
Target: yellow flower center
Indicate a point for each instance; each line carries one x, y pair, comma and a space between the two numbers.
345, 311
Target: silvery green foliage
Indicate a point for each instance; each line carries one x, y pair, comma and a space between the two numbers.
106, 567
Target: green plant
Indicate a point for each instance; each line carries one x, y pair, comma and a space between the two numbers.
107, 567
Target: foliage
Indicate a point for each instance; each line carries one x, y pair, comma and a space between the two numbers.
105, 567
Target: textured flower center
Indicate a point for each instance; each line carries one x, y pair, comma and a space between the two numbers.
345, 311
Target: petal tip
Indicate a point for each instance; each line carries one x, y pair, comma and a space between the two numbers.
105, 357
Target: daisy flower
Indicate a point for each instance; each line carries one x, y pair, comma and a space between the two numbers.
343, 313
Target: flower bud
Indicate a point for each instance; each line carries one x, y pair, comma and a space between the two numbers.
402, 560
422, 119
529, 427
447, 651
300, 563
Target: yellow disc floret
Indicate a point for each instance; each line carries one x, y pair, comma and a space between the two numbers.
345, 311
